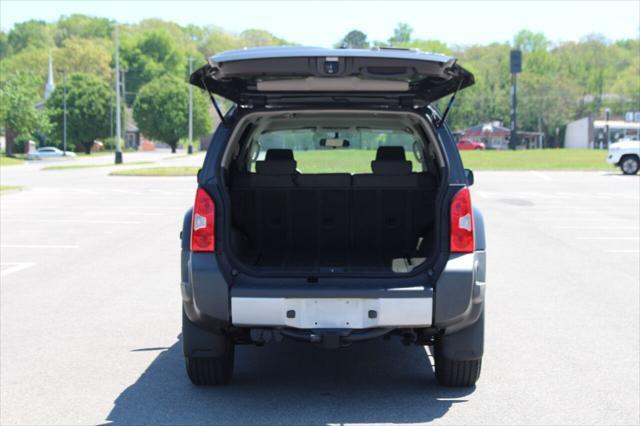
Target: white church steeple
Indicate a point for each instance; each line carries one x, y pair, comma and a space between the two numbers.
50, 86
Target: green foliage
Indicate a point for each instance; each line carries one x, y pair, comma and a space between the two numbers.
355, 39
559, 82
88, 110
18, 112
161, 111
256, 38
528, 41
5, 50
432, 46
89, 56
82, 26
401, 34
30, 34
150, 55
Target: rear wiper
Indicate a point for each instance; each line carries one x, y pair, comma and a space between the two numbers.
442, 119
213, 100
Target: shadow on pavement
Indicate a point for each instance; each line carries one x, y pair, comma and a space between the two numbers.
293, 383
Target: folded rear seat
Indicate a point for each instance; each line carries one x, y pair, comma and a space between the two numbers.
393, 207
328, 220
321, 205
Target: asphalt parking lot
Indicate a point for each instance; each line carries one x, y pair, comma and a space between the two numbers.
90, 314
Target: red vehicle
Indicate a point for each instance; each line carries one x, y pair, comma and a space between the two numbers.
467, 144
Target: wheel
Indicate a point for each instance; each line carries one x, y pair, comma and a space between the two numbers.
630, 165
211, 371
208, 356
455, 373
477, 148
458, 356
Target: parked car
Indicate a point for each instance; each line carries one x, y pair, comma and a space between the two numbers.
48, 151
626, 155
468, 144
329, 244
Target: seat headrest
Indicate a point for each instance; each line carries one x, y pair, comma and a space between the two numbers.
390, 153
391, 167
276, 167
390, 160
279, 155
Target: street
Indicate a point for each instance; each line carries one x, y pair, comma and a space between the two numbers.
90, 313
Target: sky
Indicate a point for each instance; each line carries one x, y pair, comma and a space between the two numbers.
325, 23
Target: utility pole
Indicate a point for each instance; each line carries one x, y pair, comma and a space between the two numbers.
190, 150
64, 113
118, 158
516, 68
607, 116
124, 99
111, 119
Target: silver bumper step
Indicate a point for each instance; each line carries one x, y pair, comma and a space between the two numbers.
331, 313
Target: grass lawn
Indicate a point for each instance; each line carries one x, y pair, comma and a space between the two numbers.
354, 161
9, 188
178, 156
158, 171
359, 161
338, 161
545, 159
9, 161
91, 166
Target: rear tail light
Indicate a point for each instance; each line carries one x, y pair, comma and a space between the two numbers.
462, 223
203, 236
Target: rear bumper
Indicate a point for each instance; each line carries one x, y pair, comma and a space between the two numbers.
455, 303
332, 313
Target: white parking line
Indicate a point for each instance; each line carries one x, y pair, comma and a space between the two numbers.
622, 251
573, 219
125, 222
607, 238
42, 246
17, 266
124, 191
609, 228
541, 175
84, 191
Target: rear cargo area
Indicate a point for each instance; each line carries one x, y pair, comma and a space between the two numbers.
321, 223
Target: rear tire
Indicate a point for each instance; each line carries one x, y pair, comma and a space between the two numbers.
630, 164
458, 356
211, 371
455, 373
208, 356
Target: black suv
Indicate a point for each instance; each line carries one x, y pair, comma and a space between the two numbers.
332, 207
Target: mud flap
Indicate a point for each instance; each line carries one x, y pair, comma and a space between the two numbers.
200, 343
466, 344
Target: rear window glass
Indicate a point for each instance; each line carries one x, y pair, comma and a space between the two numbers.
343, 151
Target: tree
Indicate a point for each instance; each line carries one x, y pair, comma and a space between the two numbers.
88, 108
31, 33
161, 111
88, 56
216, 40
149, 55
18, 112
31, 61
433, 46
355, 39
257, 38
5, 49
82, 26
528, 41
401, 34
